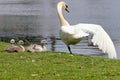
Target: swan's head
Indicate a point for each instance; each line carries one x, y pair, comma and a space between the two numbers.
20, 42
43, 42
63, 5
12, 41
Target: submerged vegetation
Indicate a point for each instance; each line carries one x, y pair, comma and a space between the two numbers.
56, 66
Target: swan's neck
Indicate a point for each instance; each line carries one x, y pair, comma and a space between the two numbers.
63, 22
42, 45
20, 46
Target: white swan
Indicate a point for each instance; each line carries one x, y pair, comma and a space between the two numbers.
31, 47
37, 48
15, 48
11, 47
72, 34
20, 47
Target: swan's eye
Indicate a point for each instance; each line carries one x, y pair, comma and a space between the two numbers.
66, 6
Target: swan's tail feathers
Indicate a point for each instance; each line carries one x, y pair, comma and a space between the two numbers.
104, 42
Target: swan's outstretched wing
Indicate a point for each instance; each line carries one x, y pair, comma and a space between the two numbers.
100, 38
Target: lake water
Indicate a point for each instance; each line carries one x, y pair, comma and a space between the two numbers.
39, 17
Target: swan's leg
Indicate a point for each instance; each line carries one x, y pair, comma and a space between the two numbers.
69, 49
90, 43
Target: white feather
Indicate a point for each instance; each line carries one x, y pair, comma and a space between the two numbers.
100, 38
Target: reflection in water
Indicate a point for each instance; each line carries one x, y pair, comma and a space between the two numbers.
53, 42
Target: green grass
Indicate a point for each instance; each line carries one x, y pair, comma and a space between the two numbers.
56, 66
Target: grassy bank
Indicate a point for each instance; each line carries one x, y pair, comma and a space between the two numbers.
56, 66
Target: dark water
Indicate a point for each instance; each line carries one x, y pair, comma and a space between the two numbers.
39, 17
